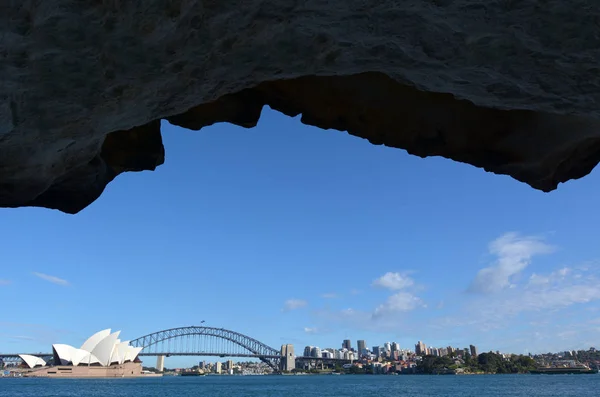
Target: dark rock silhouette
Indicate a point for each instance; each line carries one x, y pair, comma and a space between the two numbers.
508, 86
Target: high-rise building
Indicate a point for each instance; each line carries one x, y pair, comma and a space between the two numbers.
387, 347
420, 348
395, 347
229, 364
361, 347
377, 351
218, 367
288, 359
473, 351
307, 351
315, 352
347, 344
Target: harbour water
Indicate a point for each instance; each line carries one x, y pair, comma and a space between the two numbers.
322, 386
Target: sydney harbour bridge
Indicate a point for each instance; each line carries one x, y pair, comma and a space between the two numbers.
202, 341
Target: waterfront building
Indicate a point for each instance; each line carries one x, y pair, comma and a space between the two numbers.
218, 368
101, 355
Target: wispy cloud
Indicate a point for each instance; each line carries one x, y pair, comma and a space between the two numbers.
330, 295
538, 300
311, 330
21, 337
51, 279
549, 310
514, 253
4, 282
393, 281
293, 304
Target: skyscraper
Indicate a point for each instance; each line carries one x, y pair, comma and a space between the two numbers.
377, 351
361, 346
347, 344
420, 348
387, 347
473, 351
307, 351
315, 352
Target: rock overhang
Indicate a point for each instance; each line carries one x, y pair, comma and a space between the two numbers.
493, 85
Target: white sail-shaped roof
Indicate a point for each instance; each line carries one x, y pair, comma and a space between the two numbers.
93, 340
65, 353
104, 348
120, 352
78, 356
89, 359
132, 353
32, 361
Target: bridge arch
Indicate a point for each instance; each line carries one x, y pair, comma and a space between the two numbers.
200, 341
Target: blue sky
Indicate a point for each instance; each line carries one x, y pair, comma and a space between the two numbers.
291, 234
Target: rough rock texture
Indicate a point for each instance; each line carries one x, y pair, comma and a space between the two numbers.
508, 85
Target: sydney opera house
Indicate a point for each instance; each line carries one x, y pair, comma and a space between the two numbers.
101, 355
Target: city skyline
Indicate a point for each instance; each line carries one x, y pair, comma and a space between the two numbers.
291, 234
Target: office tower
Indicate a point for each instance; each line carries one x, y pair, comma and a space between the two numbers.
377, 351
315, 352
473, 351
307, 351
361, 347
420, 348
347, 344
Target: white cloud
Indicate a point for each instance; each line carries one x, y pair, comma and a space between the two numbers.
4, 282
393, 281
330, 295
514, 253
536, 279
399, 302
52, 279
310, 330
543, 295
293, 304
21, 337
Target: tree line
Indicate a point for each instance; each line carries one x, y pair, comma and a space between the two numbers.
490, 363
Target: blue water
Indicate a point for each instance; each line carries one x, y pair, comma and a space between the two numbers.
322, 386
